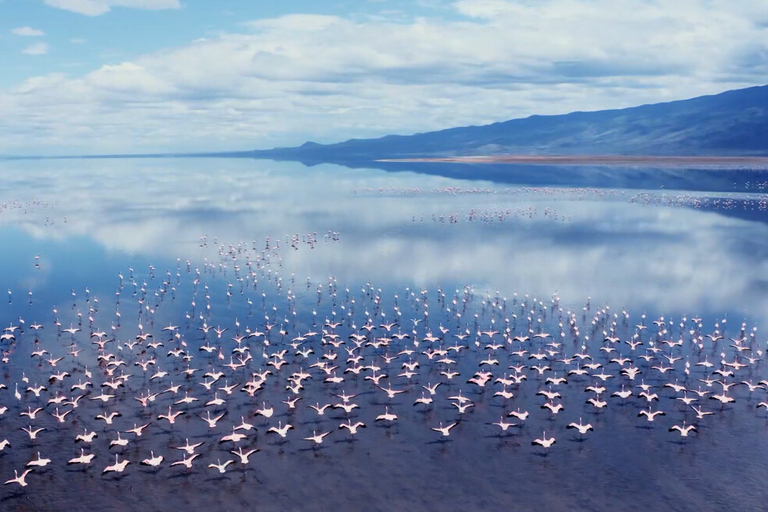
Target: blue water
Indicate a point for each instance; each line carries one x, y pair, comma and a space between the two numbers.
127, 247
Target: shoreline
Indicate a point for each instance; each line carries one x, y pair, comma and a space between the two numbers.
606, 160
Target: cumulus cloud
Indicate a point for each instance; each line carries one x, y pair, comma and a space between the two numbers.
27, 32
98, 7
284, 80
36, 49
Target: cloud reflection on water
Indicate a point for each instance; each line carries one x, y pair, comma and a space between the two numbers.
603, 246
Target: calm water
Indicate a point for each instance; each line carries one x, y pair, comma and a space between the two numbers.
131, 247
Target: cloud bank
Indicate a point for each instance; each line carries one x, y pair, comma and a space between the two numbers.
284, 80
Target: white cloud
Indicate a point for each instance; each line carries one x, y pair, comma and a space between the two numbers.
327, 78
98, 7
27, 32
36, 49
87, 7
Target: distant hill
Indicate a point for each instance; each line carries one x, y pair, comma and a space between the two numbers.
727, 124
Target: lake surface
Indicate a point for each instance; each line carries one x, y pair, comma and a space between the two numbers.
471, 275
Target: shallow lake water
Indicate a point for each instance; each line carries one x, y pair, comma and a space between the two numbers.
192, 266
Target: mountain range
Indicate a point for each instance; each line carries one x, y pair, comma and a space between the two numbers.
732, 123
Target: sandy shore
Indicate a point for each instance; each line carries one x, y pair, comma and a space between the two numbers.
607, 160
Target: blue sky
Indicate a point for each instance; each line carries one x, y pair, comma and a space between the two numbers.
94, 76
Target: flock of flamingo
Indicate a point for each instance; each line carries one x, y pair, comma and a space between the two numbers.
200, 367
493, 215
